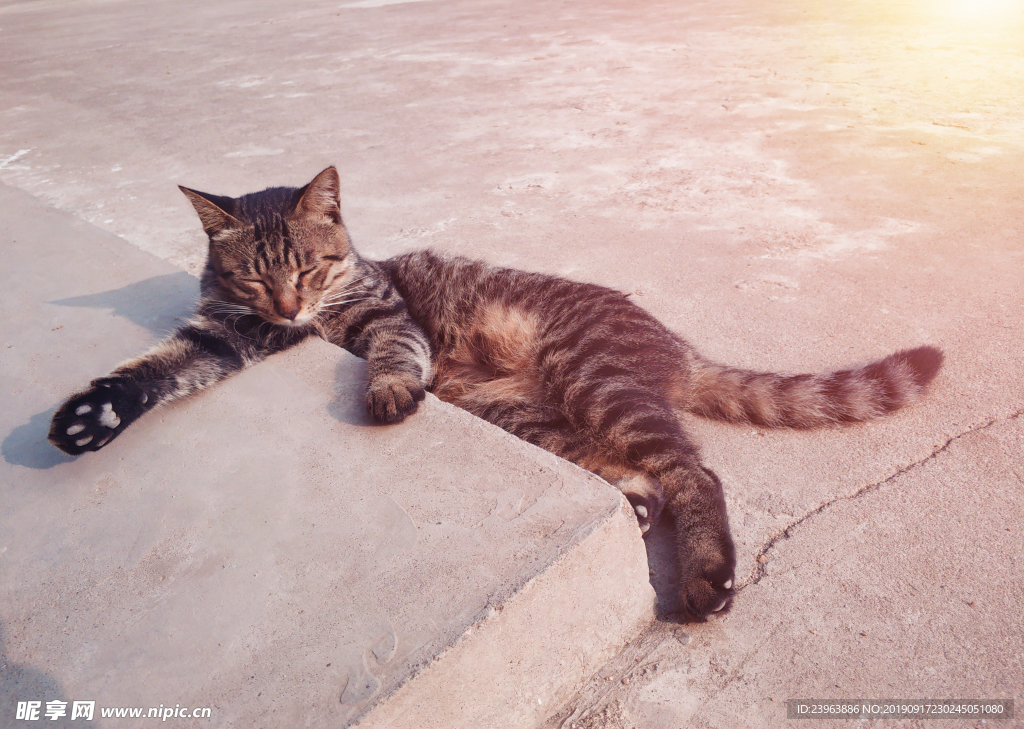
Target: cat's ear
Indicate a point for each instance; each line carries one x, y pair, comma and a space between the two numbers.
212, 210
321, 198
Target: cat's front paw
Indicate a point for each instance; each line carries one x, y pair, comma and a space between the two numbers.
94, 417
391, 397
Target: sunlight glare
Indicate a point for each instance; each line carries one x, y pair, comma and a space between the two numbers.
985, 10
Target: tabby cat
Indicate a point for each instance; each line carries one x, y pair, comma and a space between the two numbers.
575, 368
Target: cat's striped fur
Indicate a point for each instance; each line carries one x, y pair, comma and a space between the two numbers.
575, 368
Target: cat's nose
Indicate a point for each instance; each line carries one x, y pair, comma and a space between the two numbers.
289, 311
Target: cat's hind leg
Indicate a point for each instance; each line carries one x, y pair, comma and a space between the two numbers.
707, 556
548, 428
634, 438
539, 424
639, 426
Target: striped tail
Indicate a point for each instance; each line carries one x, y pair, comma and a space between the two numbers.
808, 401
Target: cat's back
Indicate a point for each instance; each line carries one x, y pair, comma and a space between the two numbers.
486, 322
454, 289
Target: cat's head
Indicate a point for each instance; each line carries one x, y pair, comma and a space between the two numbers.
283, 253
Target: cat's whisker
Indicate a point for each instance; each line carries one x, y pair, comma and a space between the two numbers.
354, 282
346, 302
344, 295
232, 317
224, 307
234, 328
259, 329
228, 304
231, 312
346, 291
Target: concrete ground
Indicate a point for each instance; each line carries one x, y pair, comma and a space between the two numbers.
792, 186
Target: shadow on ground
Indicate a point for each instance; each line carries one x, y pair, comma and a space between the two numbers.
21, 683
26, 445
664, 567
157, 303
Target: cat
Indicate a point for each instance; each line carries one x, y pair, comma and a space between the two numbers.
575, 368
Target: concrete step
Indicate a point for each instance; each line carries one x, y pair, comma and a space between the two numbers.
262, 549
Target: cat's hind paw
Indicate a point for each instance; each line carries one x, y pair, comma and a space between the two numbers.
647, 511
94, 417
707, 555
391, 397
645, 495
707, 571
705, 598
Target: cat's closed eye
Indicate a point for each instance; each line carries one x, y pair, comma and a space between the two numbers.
253, 286
302, 275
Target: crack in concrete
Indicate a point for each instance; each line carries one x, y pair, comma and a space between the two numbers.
759, 570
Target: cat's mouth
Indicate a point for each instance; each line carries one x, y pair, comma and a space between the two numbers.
296, 323
302, 319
